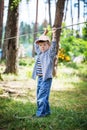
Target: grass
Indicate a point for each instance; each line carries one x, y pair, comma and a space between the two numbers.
68, 113
68, 104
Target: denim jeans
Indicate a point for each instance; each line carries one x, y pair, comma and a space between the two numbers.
43, 91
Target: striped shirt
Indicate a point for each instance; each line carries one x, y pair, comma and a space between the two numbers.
39, 68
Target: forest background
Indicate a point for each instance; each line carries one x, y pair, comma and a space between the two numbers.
68, 97
27, 20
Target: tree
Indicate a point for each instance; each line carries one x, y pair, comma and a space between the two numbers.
49, 12
66, 9
77, 4
78, 30
71, 13
35, 27
25, 31
85, 11
11, 36
84, 31
57, 23
1, 20
58, 19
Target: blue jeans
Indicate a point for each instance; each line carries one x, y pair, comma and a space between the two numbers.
43, 91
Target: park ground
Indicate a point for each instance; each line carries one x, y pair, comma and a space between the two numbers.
68, 99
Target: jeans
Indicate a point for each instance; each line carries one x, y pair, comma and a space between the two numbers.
43, 91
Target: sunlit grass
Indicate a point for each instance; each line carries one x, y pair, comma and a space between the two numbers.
68, 100
68, 112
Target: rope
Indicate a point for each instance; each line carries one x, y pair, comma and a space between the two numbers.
71, 25
21, 117
43, 31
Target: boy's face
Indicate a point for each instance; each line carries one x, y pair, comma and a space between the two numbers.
43, 46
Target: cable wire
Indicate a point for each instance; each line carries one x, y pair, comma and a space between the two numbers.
42, 31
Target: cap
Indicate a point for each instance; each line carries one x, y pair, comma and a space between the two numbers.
43, 38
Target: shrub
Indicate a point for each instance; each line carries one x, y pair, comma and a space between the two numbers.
71, 46
26, 61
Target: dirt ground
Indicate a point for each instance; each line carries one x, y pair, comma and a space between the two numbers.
20, 88
15, 86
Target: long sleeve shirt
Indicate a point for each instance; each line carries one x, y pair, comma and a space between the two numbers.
46, 59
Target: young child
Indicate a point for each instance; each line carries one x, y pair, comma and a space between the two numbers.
46, 52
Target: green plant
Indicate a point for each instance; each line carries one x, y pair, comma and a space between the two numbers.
72, 46
68, 101
84, 31
1, 91
26, 61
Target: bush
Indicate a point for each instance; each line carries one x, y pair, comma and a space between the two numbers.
26, 61
72, 46
84, 32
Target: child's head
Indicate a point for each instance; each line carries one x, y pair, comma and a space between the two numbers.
43, 42
43, 46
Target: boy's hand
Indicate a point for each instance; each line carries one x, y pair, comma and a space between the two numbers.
54, 31
45, 32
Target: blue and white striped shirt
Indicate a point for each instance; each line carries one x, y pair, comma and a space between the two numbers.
39, 67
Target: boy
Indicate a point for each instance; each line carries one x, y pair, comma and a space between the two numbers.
43, 69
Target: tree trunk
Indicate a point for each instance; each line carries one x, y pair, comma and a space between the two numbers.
66, 9
1, 20
49, 7
84, 15
78, 27
11, 44
35, 28
57, 23
71, 14
58, 19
